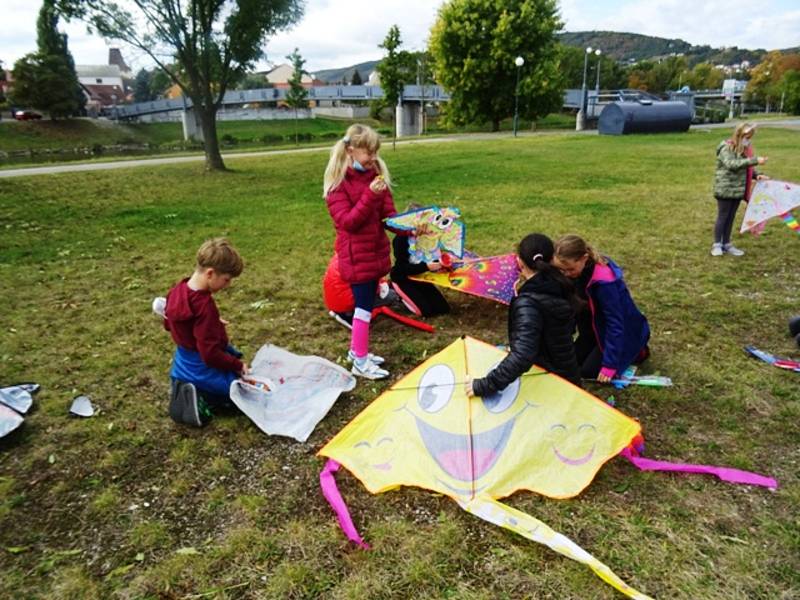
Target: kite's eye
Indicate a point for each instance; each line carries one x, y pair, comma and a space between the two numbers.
445, 223
500, 401
435, 388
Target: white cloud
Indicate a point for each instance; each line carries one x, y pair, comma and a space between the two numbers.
335, 33
339, 33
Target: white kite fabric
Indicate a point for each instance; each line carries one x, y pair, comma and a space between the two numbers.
288, 394
770, 198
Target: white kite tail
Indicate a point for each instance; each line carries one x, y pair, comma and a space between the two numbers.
527, 526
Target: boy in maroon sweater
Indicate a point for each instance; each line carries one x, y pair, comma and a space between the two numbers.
205, 363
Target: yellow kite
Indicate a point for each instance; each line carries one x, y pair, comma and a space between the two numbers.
541, 433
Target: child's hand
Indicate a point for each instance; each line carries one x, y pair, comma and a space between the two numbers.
224, 321
603, 378
434, 266
245, 369
468, 387
378, 185
762, 177
762, 160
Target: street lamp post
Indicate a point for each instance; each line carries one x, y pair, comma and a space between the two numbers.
580, 121
519, 61
597, 53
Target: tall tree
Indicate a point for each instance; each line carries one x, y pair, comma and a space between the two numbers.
297, 95
394, 70
474, 44
356, 79
214, 42
790, 87
141, 86
47, 80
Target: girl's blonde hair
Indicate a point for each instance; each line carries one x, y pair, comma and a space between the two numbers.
573, 247
742, 131
357, 136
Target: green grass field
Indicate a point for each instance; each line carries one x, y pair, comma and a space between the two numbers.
129, 505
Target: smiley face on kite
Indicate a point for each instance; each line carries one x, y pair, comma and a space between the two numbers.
425, 432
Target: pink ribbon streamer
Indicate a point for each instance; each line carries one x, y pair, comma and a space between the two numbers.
724, 473
327, 481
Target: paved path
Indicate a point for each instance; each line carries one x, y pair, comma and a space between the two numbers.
169, 160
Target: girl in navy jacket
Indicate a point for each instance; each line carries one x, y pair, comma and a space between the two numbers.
612, 332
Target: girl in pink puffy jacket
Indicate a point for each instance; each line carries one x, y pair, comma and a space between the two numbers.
357, 188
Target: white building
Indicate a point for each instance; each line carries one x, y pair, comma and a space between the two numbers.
100, 75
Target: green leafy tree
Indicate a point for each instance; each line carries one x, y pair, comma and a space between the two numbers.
215, 42
253, 81
356, 79
396, 69
703, 76
790, 84
297, 95
639, 74
160, 82
666, 74
474, 44
763, 77
47, 80
141, 86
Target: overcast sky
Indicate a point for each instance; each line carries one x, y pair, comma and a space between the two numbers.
340, 33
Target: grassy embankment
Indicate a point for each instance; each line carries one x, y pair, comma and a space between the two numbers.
98, 138
129, 504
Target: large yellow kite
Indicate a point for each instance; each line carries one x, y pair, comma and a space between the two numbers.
541, 433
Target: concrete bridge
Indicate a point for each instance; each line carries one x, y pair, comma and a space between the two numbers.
408, 111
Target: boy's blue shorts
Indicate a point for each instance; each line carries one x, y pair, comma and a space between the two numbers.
188, 366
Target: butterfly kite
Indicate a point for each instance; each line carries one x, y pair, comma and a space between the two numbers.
771, 198
490, 277
541, 434
436, 231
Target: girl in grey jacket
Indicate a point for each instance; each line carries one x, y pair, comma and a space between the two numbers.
732, 183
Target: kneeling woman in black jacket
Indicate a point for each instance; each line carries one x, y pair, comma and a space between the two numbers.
541, 320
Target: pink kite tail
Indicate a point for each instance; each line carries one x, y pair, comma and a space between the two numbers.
724, 473
327, 481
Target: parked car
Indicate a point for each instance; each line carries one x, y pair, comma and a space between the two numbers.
27, 115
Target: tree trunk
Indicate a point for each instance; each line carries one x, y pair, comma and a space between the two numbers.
495, 124
208, 122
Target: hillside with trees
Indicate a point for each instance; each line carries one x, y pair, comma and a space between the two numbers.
634, 47
345, 74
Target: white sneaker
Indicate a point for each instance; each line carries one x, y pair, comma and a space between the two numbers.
378, 360
716, 249
732, 250
369, 370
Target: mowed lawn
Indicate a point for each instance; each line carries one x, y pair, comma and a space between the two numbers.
129, 505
